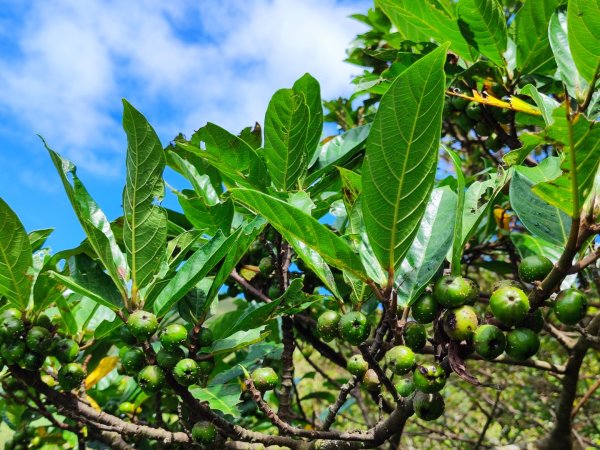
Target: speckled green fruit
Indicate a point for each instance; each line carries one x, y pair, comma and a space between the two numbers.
571, 306
400, 359
186, 372
167, 359
428, 406
38, 339
11, 328
151, 379
142, 324
173, 335
12, 351
205, 337
354, 328
129, 408
43, 321
460, 323
13, 313
70, 376
65, 350
522, 343
132, 359
429, 377
489, 341
534, 268
32, 361
265, 265
424, 309
509, 305
357, 365
452, 292
405, 387
415, 336
534, 320
371, 381
264, 378
327, 325
204, 433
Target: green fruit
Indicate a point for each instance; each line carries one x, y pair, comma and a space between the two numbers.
405, 387
327, 325
415, 336
534, 320
38, 339
459, 103
353, 327
132, 360
173, 336
142, 324
424, 309
12, 313
205, 337
474, 110
460, 323
126, 337
522, 343
464, 122
151, 379
357, 365
186, 372
43, 321
571, 306
428, 406
264, 379
274, 291
12, 351
167, 359
65, 350
452, 292
489, 341
400, 359
506, 283
371, 381
70, 376
509, 305
204, 432
206, 366
266, 265
429, 378
32, 361
534, 268
129, 408
11, 328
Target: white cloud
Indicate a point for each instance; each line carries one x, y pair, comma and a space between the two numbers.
182, 63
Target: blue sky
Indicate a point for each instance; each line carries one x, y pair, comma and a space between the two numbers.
66, 64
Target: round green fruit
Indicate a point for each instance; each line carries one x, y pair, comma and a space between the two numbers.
132, 360
204, 433
357, 365
428, 406
571, 306
38, 339
405, 387
12, 351
429, 378
70, 376
126, 337
534, 268
534, 320
167, 359
266, 265
32, 361
206, 366
264, 379
474, 110
354, 327
11, 328
186, 372
44, 321
327, 325
65, 350
142, 324
522, 343
371, 381
151, 379
452, 292
415, 336
400, 359
424, 309
172, 336
509, 305
460, 323
274, 291
12, 313
129, 408
489, 341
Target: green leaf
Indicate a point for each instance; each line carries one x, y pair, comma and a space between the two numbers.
457, 247
67, 315
87, 289
292, 222
534, 54
238, 340
195, 306
37, 238
15, 258
192, 271
541, 219
429, 249
145, 230
208, 218
483, 26
311, 89
220, 397
402, 150
528, 245
530, 142
201, 183
583, 19
286, 123
93, 221
546, 104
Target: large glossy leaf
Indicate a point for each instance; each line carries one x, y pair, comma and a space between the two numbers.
291, 221
37, 238
583, 19
84, 290
310, 88
402, 150
286, 123
528, 245
15, 258
546, 104
457, 247
205, 217
145, 230
534, 54
541, 219
220, 397
428, 250
94, 223
200, 182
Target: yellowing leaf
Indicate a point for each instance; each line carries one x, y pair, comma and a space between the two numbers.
249, 272
503, 218
93, 402
515, 103
107, 364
